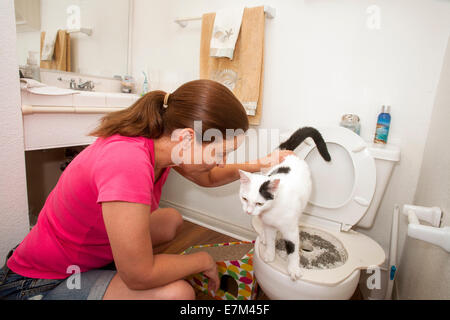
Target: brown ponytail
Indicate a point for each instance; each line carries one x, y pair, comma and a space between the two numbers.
206, 100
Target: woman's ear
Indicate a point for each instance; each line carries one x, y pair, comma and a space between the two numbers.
185, 137
182, 146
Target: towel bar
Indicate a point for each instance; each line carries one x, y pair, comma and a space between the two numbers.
432, 234
87, 31
182, 22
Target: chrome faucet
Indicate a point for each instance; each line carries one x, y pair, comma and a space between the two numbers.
87, 85
83, 86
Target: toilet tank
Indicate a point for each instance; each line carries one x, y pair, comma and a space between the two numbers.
386, 156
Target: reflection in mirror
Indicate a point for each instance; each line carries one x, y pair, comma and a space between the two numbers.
87, 37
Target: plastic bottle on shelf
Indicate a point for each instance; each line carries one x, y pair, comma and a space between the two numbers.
383, 125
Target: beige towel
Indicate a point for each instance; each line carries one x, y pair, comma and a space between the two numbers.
49, 44
244, 74
61, 55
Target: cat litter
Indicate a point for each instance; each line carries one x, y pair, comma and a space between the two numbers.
318, 250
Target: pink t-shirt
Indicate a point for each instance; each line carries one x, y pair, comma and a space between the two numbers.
70, 228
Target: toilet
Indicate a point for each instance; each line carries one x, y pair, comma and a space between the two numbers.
346, 193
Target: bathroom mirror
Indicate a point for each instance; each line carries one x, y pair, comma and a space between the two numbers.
93, 36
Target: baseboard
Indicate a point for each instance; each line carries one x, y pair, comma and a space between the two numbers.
395, 295
204, 220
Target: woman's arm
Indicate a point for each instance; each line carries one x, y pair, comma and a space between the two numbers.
127, 225
230, 172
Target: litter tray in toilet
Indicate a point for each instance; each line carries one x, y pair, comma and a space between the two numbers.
318, 251
360, 252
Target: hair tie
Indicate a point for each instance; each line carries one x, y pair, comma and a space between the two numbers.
166, 100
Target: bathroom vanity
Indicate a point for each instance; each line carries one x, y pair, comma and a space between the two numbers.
54, 121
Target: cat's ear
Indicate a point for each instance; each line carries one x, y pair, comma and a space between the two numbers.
273, 185
244, 177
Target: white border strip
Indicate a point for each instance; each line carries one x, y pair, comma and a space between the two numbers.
130, 37
31, 109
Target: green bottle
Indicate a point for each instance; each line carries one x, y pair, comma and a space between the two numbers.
144, 85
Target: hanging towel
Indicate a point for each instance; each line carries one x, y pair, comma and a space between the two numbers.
244, 74
49, 45
61, 55
227, 24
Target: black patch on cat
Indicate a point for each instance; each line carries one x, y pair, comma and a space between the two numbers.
280, 170
300, 135
264, 191
290, 246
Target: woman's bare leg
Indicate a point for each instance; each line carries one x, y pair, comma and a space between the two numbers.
177, 290
164, 223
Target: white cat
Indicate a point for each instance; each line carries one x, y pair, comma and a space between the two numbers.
279, 197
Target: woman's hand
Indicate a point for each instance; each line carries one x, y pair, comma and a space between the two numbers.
211, 273
274, 158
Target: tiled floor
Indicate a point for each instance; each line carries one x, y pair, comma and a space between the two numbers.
191, 234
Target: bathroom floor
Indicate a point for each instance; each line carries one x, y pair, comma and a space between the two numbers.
192, 234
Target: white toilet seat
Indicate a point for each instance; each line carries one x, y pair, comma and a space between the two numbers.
353, 208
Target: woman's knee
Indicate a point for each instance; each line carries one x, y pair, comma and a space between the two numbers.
181, 290
164, 225
177, 290
176, 220
176, 215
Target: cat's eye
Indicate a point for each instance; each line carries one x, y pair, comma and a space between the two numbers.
259, 204
244, 198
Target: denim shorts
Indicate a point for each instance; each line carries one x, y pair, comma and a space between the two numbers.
89, 285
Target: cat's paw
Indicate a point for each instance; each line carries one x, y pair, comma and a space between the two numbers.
263, 240
268, 255
294, 272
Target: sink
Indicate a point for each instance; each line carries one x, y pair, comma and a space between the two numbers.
63, 120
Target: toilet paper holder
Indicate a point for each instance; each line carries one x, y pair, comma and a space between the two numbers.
432, 234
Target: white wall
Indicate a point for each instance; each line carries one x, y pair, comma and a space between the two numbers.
424, 271
321, 61
104, 53
13, 190
27, 41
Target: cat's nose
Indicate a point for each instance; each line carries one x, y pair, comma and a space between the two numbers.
248, 212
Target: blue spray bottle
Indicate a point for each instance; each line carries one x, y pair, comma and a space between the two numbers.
383, 124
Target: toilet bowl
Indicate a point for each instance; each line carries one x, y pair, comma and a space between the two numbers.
346, 193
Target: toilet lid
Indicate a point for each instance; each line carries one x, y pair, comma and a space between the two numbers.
344, 187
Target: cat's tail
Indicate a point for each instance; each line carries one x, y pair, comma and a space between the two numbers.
300, 135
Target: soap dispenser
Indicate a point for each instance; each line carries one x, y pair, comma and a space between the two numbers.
32, 70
